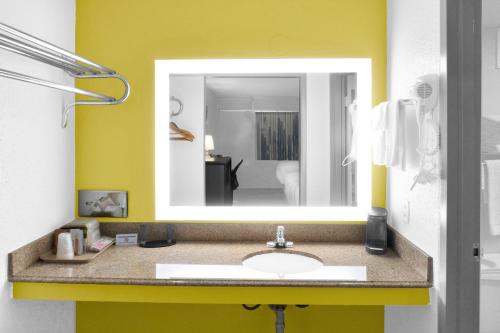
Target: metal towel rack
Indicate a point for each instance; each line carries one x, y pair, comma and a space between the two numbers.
21, 43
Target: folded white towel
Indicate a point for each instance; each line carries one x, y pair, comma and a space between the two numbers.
388, 140
394, 138
493, 188
353, 154
379, 131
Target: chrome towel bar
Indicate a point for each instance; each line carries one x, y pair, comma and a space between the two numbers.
21, 43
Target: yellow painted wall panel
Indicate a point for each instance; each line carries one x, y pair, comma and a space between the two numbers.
115, 144
219, 295
180, 318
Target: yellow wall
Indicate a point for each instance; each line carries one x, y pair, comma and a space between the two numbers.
170, 318
115, 145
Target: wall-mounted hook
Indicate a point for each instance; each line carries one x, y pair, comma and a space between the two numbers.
181, 106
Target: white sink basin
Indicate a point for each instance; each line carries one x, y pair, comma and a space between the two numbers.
271, 265
282, 262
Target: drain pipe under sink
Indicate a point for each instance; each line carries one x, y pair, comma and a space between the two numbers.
279, 310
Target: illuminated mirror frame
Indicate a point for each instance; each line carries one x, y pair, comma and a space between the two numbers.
164, 68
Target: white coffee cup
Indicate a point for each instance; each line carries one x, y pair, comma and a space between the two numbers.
65, 246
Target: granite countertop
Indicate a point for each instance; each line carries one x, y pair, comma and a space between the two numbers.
404, 266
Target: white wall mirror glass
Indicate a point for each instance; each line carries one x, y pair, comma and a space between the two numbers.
263, 139
498, 48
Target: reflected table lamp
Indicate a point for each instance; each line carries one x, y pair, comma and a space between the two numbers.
209, 147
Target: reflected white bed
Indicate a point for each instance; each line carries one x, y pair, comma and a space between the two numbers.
288, 174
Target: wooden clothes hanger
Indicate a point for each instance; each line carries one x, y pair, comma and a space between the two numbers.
177, 133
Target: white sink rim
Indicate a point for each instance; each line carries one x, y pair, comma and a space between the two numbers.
282, 262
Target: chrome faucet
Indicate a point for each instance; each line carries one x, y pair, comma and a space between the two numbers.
280, 241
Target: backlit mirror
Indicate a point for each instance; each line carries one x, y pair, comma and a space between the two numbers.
277, 139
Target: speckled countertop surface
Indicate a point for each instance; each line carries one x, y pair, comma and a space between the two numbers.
136, 265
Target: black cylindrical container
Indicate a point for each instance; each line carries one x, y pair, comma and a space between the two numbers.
376, 231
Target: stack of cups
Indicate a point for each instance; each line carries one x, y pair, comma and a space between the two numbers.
65, 246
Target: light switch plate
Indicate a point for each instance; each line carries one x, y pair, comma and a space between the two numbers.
102, 203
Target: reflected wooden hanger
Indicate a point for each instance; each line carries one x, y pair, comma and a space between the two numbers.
177, 133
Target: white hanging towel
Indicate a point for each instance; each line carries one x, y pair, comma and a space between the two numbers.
379, 131
394, 137
353, 154
493, 190
388, 140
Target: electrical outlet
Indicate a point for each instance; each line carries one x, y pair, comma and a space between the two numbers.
406, 211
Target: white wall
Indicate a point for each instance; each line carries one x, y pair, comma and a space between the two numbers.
187, 162
490, 99
212, 113
490, 136
490, 74
318, 140
413, 32
36, 158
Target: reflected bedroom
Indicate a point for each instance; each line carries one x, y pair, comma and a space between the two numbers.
254, 140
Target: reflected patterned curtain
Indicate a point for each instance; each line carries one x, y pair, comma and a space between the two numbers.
277, 136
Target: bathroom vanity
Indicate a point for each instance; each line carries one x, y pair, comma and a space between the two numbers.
133, 274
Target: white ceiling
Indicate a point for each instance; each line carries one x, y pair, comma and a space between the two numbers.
491, 13
253, 86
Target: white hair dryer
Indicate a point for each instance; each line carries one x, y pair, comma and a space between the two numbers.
426, 93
